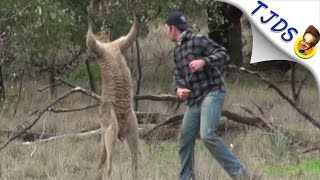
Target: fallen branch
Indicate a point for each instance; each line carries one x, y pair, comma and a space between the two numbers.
316, 148
257, 106
250, 121
163, 97
27, 136
146, 118
142, 117
65, 82
171, 120
44, 88
301, 85
280, 92
94, 132
47, 108
72, 110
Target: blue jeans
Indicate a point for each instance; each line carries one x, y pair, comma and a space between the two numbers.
205, 115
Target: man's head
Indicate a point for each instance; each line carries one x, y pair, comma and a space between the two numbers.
175, 24
310, 38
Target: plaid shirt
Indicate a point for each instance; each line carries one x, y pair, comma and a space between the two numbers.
197, 46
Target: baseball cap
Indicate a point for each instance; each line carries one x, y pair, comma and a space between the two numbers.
178, 20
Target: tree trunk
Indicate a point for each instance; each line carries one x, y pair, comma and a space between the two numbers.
91, 78
228, 34
53, 89
139, 74
19, 94
2, 91
234, 35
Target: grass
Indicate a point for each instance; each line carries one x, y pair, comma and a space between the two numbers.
307, 166
77, 158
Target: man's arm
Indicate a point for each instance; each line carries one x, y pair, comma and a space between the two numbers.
214, 54
178, 78
180, 87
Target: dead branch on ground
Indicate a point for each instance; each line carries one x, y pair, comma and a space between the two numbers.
315, 148
314, 121
73, 110
84, 134
162, 97
171, 120
38, 114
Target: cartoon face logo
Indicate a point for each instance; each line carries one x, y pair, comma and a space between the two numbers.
305, 46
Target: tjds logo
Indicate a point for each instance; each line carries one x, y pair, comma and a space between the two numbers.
280, 26
305, 46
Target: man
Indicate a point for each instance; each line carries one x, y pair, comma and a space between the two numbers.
310, 39
199, 82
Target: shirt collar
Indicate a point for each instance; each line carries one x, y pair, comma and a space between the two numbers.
181, 37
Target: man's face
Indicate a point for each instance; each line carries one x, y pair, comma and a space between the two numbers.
307, 42
170, 32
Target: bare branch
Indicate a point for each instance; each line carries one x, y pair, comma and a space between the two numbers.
280, 92
245, 109
170, 120
162, 97
47, 108
257, 106
94, 132
65, 82
301, 85
42, 134
316, 148
44, 88
148, 117
89, 93
72, 110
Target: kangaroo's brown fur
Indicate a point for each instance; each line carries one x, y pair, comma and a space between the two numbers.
116, 113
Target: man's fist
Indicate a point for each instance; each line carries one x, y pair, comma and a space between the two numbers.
183, 93
196, 65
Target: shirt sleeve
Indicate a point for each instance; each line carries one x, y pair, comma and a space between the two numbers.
214, 54
178, 76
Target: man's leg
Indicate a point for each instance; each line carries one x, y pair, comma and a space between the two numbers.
211, 108
188, 133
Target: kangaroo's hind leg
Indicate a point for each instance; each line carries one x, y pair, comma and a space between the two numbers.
109, 135
102, 157
133, 142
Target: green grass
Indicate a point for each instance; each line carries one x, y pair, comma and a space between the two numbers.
310, 167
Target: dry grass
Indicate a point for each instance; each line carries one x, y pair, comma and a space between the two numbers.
76, 158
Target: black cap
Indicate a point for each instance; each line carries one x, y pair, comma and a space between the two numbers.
178, 20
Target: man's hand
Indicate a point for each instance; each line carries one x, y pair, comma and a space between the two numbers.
183, 93
196, 65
